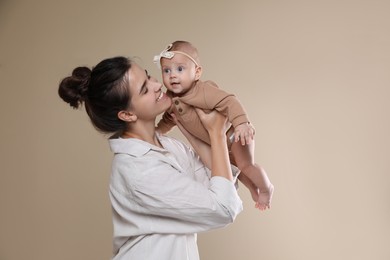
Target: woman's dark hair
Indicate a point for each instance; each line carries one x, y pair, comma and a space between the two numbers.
104, 91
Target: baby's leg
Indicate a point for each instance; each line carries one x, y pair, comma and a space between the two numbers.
250, 185
244, 160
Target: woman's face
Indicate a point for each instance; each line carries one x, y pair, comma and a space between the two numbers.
147, 99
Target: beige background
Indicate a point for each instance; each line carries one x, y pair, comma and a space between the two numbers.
313, 75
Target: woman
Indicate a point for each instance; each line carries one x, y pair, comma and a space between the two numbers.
161, 193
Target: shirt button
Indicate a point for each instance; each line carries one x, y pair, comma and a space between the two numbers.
176, 102
180, 110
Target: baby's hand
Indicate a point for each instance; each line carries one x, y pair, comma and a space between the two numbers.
244, 133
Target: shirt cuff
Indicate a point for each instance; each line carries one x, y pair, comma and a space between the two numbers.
227, 195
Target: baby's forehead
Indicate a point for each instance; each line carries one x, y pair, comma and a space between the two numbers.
178, 58
184, 48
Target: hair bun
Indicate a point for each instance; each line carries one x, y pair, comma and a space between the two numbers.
73, 89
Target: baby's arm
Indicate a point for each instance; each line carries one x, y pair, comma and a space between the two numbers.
229, 105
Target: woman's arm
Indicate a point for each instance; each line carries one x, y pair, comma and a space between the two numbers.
157, 192
201, 148
215, 124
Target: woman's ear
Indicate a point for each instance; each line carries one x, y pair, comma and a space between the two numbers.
127, 116
198, 72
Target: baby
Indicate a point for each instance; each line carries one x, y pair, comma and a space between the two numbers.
181, 72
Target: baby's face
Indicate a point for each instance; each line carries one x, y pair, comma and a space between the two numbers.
178, 73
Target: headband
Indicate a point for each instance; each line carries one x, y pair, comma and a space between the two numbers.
169, 55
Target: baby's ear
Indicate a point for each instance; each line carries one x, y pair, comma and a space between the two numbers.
198, 72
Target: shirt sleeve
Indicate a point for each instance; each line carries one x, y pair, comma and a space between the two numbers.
164, 199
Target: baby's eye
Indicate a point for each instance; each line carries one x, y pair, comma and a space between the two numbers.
180, 68
167, 70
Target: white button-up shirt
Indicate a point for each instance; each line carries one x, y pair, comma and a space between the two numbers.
162, 197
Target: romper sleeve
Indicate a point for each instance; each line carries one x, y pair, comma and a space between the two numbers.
165, 124
210, 96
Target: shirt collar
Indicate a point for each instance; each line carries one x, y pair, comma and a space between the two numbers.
133, 146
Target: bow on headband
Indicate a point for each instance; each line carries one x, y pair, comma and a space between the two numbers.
169, 55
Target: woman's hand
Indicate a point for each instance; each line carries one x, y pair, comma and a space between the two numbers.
201, 148
214, 122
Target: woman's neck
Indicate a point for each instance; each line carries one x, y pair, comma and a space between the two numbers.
144, 133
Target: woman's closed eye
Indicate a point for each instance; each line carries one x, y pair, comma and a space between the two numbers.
147, 74
144, 88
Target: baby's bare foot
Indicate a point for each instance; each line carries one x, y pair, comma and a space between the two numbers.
265, 197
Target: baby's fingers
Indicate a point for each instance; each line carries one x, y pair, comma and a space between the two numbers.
248, 138
243, 138
236, 137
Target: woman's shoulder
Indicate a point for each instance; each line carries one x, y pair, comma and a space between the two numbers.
177, 146
172, 142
